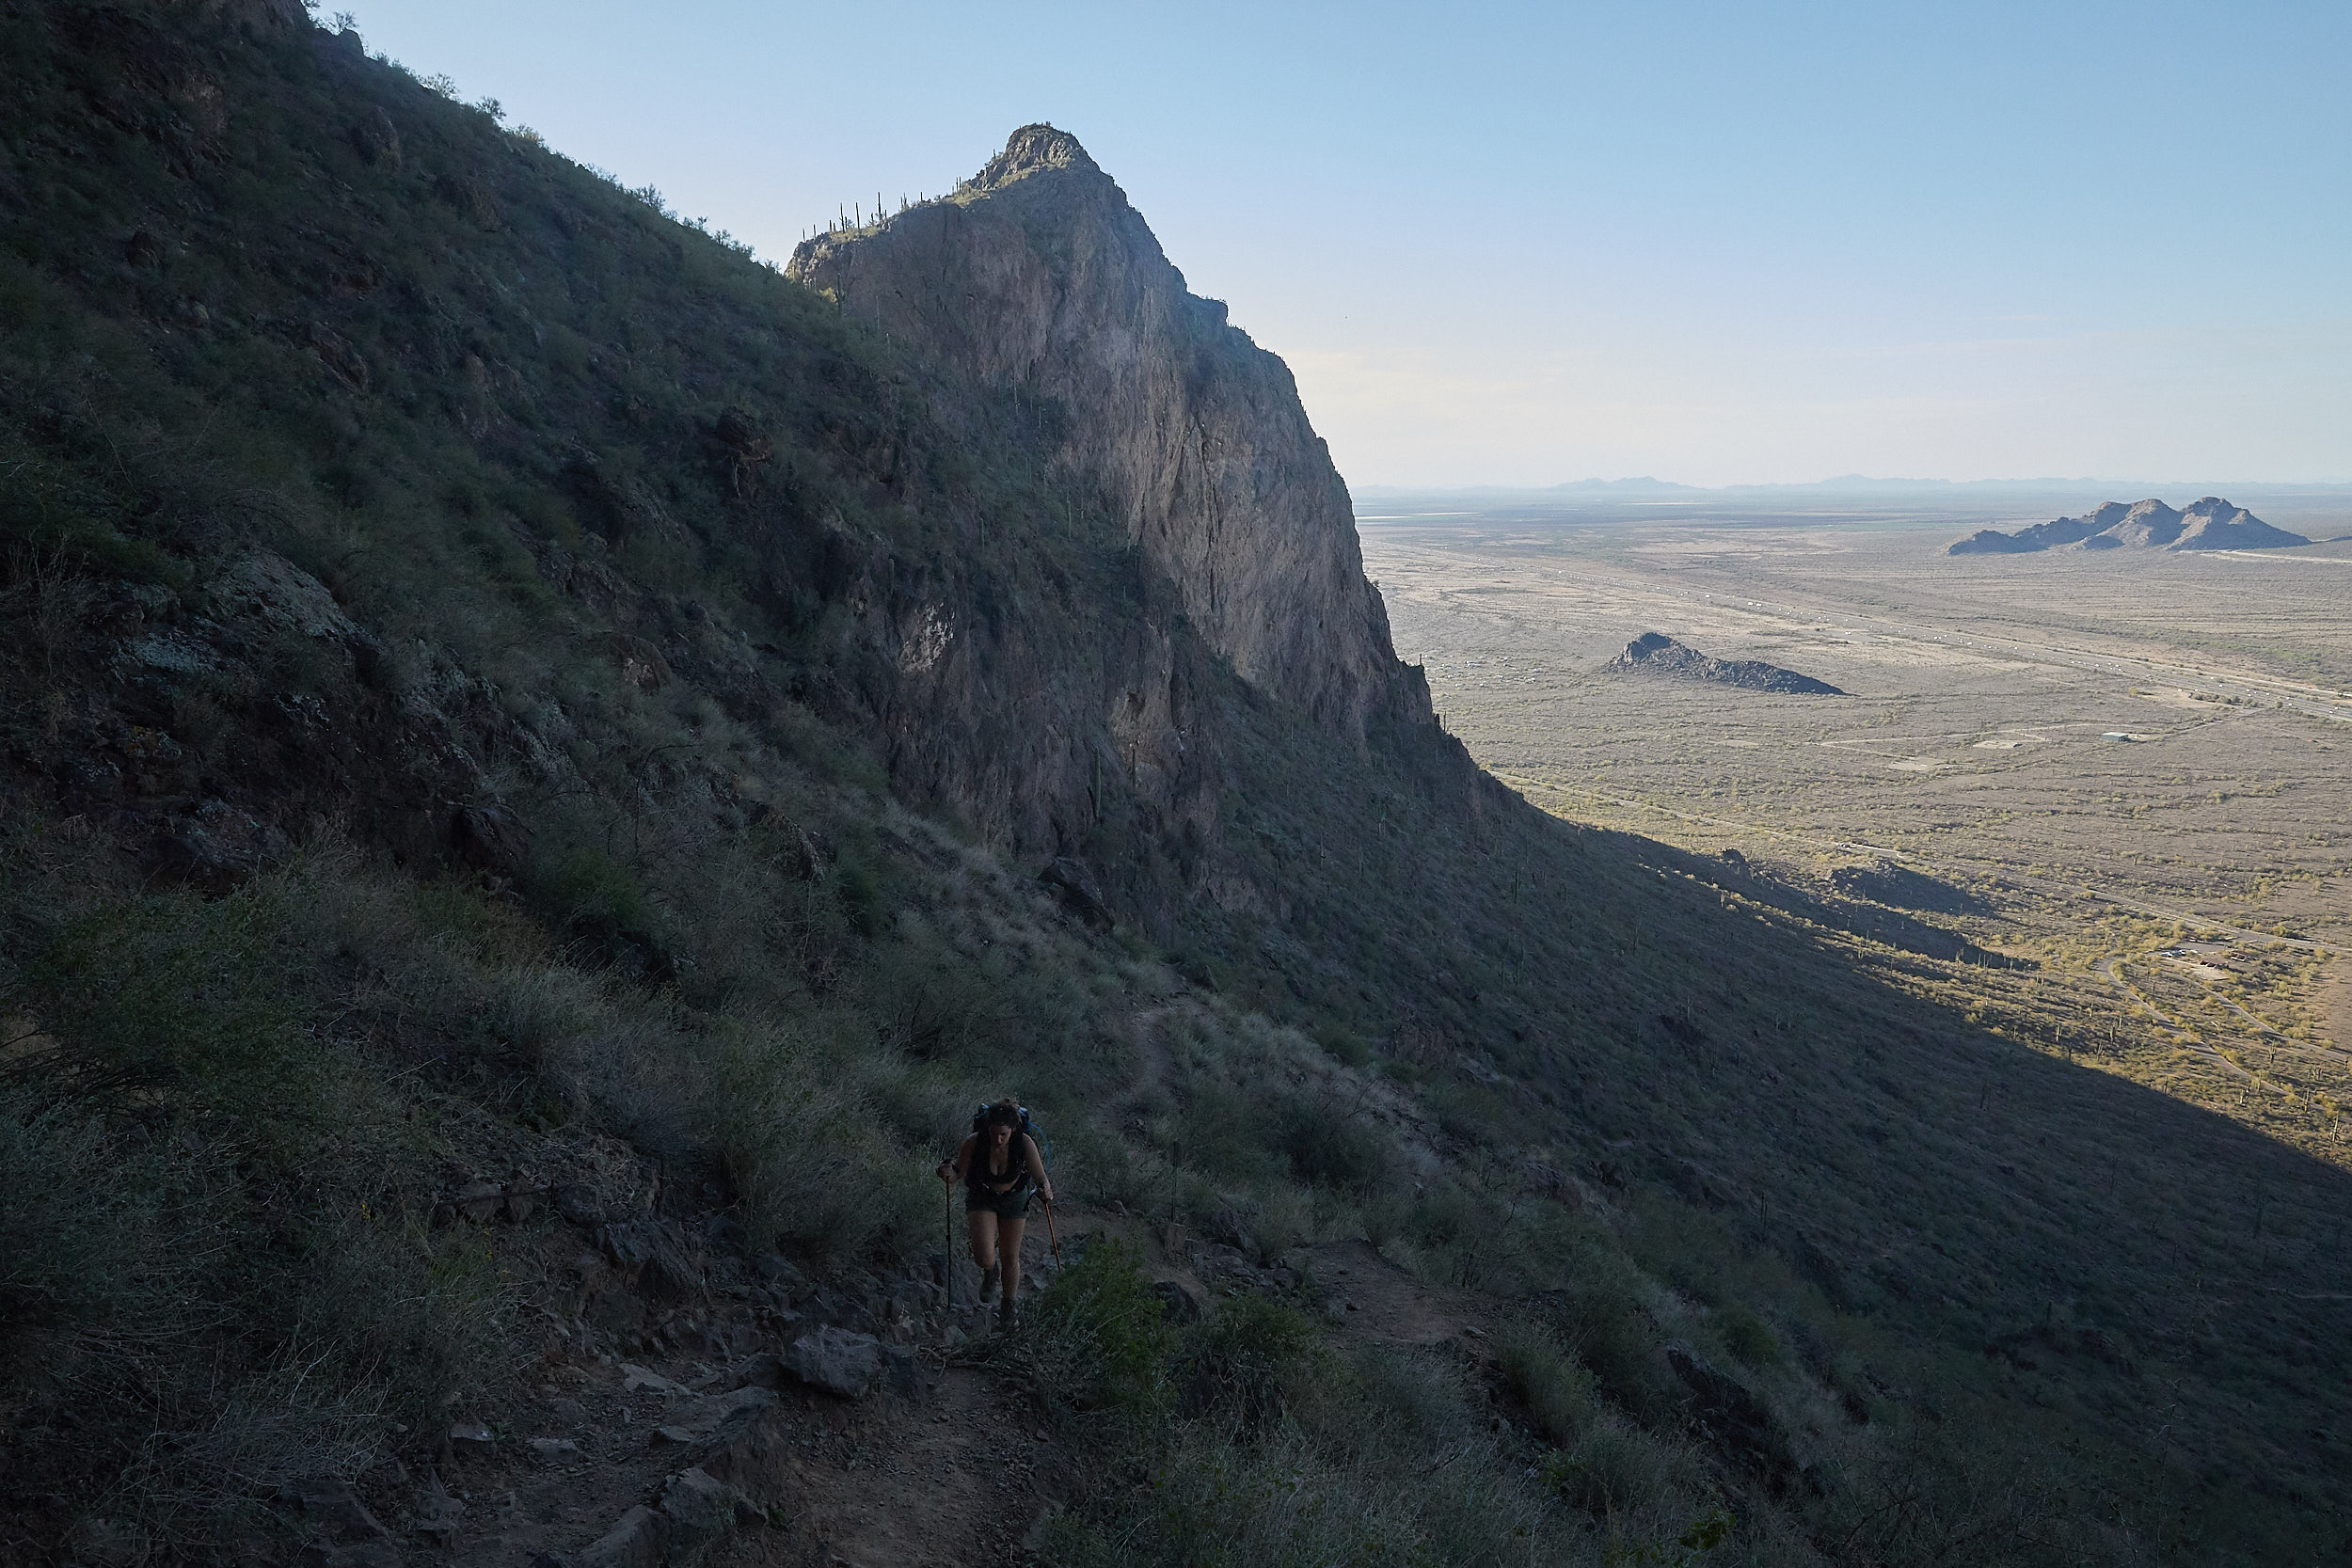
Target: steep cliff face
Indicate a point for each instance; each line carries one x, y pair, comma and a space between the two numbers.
1039, 277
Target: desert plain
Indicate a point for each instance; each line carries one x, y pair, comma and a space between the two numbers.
2096, 800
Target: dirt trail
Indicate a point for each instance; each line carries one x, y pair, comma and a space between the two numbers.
958, 1473
958, 1477
963, 1475
950, 1469
1370, 1298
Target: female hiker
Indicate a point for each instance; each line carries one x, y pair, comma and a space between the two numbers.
999, 1164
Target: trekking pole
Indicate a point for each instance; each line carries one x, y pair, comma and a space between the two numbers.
948, 1258
1055, 1235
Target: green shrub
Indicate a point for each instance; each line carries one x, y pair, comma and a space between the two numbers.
590, 891
1242, 1359
1344, 1044
1096, 1338
1747, 1337
175, 1004
1561, 1396
1327, 1147
798, 1148
1613, 1468
534, 1009
80, 1243
1602, 1318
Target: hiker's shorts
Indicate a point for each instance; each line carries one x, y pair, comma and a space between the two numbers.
1012, 1206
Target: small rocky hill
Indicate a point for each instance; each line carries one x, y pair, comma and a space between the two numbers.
2208, 524
1655, 653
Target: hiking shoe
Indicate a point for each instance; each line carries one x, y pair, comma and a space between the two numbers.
1008, 1318
989, 1287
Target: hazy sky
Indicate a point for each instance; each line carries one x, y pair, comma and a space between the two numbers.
1521, 244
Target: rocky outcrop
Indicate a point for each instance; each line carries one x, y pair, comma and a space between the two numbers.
1036, 277
836, 1360
2208, 524
1655, 653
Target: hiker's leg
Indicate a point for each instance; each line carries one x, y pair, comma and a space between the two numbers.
983, 1224
1011, 1228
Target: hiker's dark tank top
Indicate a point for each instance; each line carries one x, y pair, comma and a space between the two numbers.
1016, 1177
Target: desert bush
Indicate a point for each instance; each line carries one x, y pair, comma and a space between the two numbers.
81, 1244
1600, 1317
1613, 1468
784, 1107
1326, 1147
535, 1009
1244, 1359
789, 1137
1378, 1458
1220, 1132
1747, 1337
586, 888
643, 1071
353, 1328
1561, 1397
172, 1007
1096, 1338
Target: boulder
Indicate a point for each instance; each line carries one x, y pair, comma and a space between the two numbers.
480, 1201
707, 1420
437, 1512
777, 1270
700, 1511
650, 1247
835, 1360
274, 590
471, 1440
1176, 1303
377, 138
346, 1534
1079, 894
1736, 1419
358, 1554
636, 1541
634, 1377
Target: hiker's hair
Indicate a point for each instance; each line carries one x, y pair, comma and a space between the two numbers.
1005, 1113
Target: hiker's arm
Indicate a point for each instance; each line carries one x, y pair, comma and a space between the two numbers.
952, 1170
1036, 1167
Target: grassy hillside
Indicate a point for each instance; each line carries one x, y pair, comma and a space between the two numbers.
460, 741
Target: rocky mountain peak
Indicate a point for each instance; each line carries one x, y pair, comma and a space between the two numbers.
1038, 149
1039, 277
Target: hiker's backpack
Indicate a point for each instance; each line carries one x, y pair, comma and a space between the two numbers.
1028, 1126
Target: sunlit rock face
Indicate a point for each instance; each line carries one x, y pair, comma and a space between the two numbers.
1037, 277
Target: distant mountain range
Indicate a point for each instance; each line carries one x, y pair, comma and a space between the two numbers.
2208, 524
1848, 484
